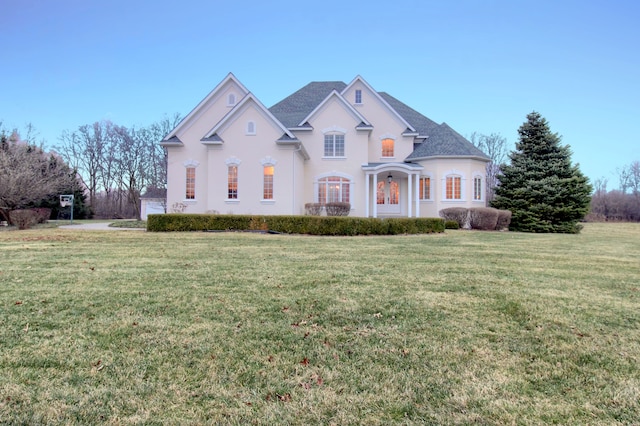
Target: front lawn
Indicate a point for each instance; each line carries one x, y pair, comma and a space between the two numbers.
236, 328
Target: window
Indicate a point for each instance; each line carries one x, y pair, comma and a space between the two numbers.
387, 147
251, 128
232, 185
358, 96
190, 193
453, 188
333, 189
477, 188
231, 99
267, 183
425, 188
334, 145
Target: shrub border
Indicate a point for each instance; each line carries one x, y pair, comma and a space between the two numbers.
310, 225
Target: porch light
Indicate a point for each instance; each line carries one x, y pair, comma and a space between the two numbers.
389, 178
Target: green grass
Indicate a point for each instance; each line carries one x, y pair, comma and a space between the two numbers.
234, 328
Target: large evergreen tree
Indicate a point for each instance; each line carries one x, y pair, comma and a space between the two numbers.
543, 190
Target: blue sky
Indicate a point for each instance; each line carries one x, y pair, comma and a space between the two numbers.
480, 66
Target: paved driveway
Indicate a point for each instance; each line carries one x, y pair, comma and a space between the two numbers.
97, 226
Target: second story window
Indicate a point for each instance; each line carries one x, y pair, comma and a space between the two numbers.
387, 147
334, 145
358, 96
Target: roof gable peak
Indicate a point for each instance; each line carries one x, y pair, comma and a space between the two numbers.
198, 110
334, 94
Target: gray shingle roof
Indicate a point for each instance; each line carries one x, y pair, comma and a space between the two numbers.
294, 108
444, 141
441, 139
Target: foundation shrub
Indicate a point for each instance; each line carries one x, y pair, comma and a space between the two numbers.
451, 224
483, 218
457, 214
337, 209
313, 209
504, 219
312, 225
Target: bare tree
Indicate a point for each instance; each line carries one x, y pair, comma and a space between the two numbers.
28, 175
83, 150
495, 146
630, 178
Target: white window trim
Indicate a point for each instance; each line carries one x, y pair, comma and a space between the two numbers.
357, 94
334, 133
483, 189
251, 124
191, 163
232, 99
232, 161
273, 183
431, 188
454, 173
316, 185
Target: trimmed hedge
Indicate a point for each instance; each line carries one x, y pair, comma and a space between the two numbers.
311, 225
451, 224
457, 214
483, 218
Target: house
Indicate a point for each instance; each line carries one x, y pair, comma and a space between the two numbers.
329, 141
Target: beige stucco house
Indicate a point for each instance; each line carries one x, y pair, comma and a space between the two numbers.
329, 141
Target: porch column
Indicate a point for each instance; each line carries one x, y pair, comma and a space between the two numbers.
409, 206
417, 195
375, 196
366, 194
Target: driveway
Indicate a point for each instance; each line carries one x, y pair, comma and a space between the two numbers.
98, 226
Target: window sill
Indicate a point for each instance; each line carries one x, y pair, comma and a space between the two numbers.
430, 200
232, 201
334, 158
387, 158
190, 201
267, 201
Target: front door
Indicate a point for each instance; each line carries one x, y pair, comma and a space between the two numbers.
388, 197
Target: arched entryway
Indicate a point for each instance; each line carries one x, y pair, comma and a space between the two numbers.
391, 189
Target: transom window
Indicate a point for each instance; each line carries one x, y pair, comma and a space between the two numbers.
477, 188
387, 147
190, 193
453, 189
358, 96
267, 183
334, 145
333, 189
232, 182
425, 188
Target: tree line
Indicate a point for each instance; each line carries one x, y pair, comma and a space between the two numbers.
621, 204
118, 164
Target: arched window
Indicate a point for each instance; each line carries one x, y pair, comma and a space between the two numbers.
387, 147
190, 191
333, 189
453, 187
231, 99
477, 188
232, 182
267, 182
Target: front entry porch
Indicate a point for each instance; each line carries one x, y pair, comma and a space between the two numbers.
392, 189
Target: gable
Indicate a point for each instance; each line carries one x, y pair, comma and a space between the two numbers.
292, 110
212, 108
372, 98
244, 117
330, 102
